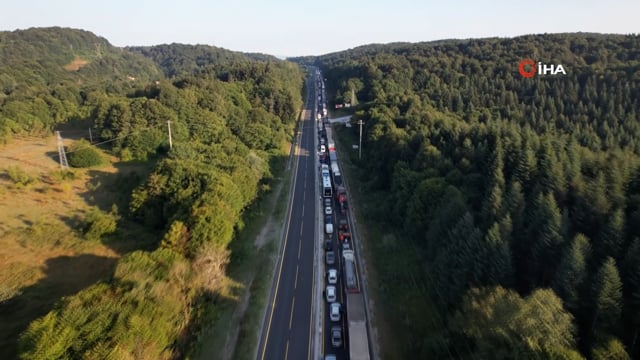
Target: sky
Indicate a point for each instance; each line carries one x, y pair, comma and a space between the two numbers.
295, 28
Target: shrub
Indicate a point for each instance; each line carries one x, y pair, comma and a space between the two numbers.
82, 155
19, 176
98, 223
59, 176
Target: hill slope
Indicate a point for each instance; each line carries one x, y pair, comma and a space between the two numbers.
45, 56
498, 187
182, 59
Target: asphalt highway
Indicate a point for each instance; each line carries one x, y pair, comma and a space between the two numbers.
287, 332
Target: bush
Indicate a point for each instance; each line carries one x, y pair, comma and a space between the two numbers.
82, 155
98, 223
59, 176
19, 176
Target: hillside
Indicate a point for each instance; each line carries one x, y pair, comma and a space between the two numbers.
510, 224
39, 57
183, 59
161, 215
49, 76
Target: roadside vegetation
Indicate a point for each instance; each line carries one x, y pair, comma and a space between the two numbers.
504, 210
230, 116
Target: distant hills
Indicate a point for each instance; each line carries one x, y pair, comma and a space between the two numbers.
45, 56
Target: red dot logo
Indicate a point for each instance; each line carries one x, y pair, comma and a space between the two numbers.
531, 71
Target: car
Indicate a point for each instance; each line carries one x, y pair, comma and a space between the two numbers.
346, 246
330, 257
328, 245
330, 357
334, 311
327, 202
343, 224
328, 228
328, 219
332, 276
328, 210
330, 293
336, 336
322, 148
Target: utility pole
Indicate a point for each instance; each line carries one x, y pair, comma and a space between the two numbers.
360, 142
170, 142
63, 156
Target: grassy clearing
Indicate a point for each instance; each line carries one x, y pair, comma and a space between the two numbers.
44, 254
236, 320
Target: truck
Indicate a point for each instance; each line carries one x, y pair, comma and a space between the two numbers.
341, 196
332, 145
357, 327
349, 271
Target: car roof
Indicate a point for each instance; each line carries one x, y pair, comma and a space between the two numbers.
333, 271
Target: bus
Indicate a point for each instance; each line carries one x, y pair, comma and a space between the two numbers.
326, 187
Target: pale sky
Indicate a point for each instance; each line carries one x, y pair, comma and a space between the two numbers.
293, 28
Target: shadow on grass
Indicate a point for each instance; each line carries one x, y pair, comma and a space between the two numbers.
107, 188
63, 276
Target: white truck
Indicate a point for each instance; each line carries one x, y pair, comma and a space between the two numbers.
357, 325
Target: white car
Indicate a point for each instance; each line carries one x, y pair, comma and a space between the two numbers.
328, 228
328, 210
334, 312
332, 276
330, 293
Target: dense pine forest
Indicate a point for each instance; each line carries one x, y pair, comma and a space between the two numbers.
521, 197
232, 114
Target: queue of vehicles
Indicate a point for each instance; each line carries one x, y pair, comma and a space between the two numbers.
334, 193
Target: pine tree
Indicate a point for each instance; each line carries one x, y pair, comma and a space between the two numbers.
572, 274
499, 270
546, 239
607, 296
496, 185
611, 238
463, 262
526, 164
631, 282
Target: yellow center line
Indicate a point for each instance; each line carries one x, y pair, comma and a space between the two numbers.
293, 305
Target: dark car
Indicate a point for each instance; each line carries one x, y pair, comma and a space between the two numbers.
336, 336
328, 219
330, 257
328, 245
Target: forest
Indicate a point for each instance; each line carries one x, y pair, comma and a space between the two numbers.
231, 116
520, 196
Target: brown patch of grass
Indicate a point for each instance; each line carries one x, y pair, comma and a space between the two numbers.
76, 64
43, 254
